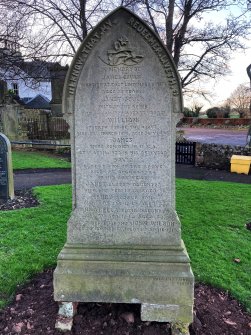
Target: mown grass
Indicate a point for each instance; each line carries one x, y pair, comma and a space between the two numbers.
32, 238
37, 160
213, 216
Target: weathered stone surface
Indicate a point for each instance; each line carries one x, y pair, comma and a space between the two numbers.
64, 323
6, 170
180, 328
9, 114
66, 312
121, 98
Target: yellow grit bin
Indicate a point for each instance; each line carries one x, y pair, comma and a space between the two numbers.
240, 164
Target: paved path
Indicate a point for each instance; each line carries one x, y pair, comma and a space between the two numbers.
192, 172
41, 177
217, 136
31, 178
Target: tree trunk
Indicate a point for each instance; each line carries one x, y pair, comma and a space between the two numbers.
169, 26
83, 18
178, 40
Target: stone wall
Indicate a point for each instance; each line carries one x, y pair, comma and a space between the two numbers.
21, 124
226, 122
14, 118
215, 156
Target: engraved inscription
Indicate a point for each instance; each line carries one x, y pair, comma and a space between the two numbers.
158, 49
140, 274
123, 145
123, 54
96, 37
3, 178
124, 150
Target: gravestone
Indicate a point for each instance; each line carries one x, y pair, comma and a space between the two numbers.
122, 98
6, 171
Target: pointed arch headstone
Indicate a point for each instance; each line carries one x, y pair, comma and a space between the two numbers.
121, 99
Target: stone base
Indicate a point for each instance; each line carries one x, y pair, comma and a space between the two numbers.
66, 312
180, 328
159, 279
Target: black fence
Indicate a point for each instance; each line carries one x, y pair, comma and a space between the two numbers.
50, 129
185, 152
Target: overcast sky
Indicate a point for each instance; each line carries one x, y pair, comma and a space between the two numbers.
221, 89
239, 76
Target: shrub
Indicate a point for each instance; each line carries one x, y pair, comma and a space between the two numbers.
187, 112
192, 112
211, 113
218, 112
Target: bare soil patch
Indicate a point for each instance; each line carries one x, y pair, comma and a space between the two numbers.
23, 199
34, 311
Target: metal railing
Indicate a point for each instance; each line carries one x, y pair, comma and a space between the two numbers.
185, 152
49, 129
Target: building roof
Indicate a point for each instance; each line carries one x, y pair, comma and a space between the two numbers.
39, 70
38, 102
13, 64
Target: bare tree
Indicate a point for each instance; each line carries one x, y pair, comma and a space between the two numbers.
12, 31
239, 100
53, 29
200, 47
42, 32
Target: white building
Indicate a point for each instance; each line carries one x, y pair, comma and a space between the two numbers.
27, 89
30, 79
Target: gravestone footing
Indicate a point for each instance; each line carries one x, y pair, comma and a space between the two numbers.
66, 312
160, 280
149, 312
180, 328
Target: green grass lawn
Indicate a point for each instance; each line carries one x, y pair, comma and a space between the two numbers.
213, 216
31, 238
37, 160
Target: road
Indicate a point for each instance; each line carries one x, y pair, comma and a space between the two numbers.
217, 136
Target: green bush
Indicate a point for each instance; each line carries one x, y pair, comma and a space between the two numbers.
192, 112
211, 112
187, 112
217, 112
